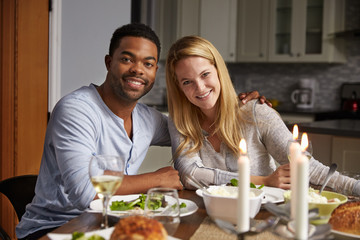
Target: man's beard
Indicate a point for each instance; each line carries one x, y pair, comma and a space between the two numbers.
130, 96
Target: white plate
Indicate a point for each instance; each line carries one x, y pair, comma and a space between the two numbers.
96, 205
105, 233
344, 236
274, 195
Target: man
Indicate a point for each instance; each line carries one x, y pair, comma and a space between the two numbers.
105, 119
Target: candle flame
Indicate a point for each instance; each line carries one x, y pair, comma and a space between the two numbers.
242, 146
295, 132
304, 142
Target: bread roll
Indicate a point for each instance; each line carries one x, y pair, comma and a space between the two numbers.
346, 218
138, 228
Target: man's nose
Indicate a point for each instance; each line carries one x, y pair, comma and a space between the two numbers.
137, 68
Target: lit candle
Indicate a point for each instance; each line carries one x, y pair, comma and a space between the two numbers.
294, 152
302, 192
243, 207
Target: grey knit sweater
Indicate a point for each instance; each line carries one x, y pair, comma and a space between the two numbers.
267, 137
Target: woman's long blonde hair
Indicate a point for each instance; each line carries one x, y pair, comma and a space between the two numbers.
185, 115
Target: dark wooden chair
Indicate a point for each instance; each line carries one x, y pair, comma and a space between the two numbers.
20, 191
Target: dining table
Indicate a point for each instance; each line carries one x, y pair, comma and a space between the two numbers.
195, 226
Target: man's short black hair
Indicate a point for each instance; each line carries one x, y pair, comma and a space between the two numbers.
133, 30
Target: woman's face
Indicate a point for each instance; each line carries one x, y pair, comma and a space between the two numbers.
199, 81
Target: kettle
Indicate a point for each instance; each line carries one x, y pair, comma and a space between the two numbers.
304, 97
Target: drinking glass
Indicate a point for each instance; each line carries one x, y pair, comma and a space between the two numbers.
162, 204
106, 174
308, 152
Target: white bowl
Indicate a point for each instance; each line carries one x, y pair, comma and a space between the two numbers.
225, 207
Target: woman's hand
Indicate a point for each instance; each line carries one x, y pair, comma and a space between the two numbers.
245, 97
280, 178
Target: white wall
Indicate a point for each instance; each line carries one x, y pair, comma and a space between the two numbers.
85, 28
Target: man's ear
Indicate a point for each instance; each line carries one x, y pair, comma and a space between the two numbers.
108, 60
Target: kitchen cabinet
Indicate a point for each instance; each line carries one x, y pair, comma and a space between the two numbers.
254, 30
290, 31
212, 19
344, 151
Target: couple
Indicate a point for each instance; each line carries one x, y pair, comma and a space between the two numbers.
107, 119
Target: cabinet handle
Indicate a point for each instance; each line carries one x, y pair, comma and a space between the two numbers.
261, 55
299, 55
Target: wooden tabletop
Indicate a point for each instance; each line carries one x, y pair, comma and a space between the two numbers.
89, 221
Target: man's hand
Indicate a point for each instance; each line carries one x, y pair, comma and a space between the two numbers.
245, 97
169, 177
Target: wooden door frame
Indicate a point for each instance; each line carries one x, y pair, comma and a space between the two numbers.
24, 30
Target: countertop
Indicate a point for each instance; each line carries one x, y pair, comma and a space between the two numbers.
340, 127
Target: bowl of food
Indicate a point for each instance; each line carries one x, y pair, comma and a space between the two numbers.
326, 203
221, 202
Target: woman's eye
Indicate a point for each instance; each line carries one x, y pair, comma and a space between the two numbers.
185, 82
205, 74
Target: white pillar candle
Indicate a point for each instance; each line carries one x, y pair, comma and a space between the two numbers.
294, 150
302, 193
243, 203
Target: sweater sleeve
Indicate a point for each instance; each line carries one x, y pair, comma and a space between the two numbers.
194, 166
275, 135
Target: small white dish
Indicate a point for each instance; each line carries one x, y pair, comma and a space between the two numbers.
274, 195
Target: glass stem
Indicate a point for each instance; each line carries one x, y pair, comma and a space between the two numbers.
104, 223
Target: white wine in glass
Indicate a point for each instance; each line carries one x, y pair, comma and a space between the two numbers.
106, 174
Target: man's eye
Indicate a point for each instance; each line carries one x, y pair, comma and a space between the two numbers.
149, 65
125, 60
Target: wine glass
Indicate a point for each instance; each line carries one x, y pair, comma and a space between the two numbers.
290, 147
162, 204
106, 174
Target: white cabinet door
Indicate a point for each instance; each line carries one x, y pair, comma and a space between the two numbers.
252, 43
214, 20
300, 31
346, 153
218, 25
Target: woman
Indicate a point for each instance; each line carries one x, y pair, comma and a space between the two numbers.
207, 122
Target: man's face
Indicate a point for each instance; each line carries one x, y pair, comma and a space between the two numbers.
132, 68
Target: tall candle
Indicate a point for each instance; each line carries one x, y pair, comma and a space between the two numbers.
243, 203
294, 152
300, 188
302, 193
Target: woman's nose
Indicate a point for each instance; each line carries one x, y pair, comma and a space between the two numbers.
200, 84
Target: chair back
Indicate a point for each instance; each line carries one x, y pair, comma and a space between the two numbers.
20, 190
